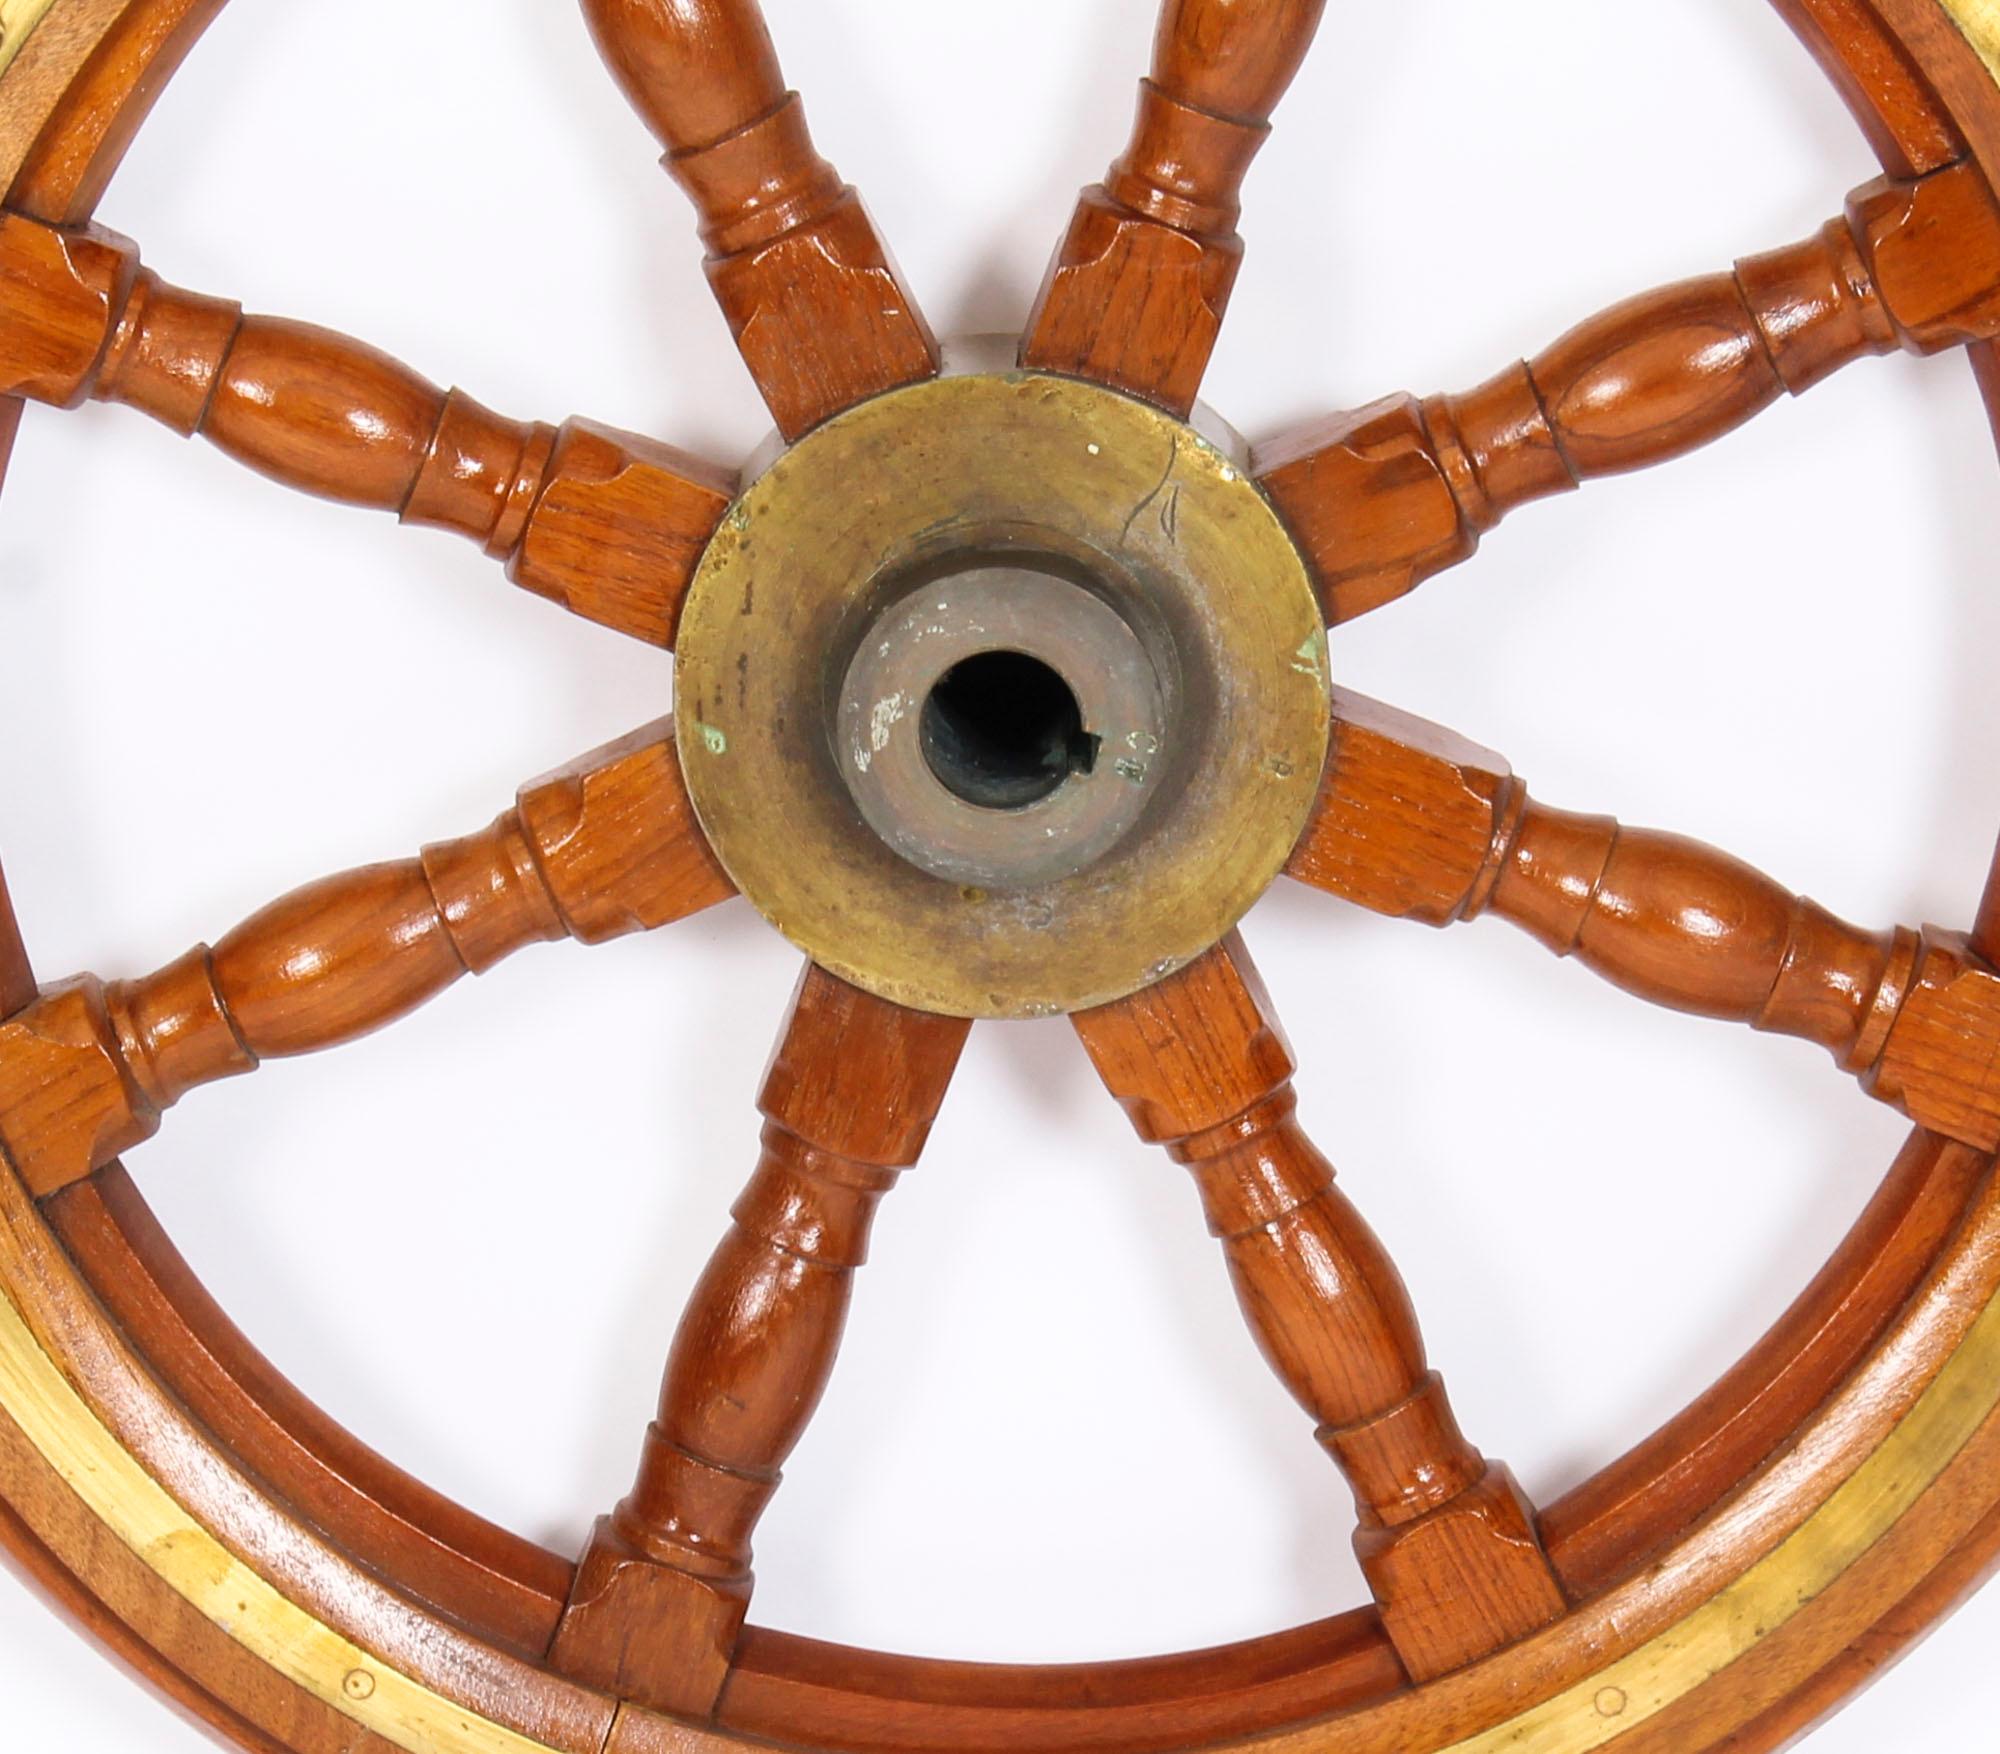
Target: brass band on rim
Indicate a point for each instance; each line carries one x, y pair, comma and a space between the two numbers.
1980, 21
1959, 1401
37, 1392
18, 19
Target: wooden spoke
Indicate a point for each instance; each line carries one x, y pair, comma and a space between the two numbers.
1137, 290
602, 848
605, 523
1986, 923
818, 308
848, 1102
1446, 1538
1382, 498
1420, 824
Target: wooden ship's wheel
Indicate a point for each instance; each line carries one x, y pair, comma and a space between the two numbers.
1002, 690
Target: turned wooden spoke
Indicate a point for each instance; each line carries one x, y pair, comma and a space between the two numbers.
1382, 498
1985, 933
1420, 824
605, 523
1136, 293
819, 309
1446, 1538
848, 1102
599, 849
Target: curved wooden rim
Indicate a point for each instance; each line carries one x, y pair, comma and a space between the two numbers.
1896, 1316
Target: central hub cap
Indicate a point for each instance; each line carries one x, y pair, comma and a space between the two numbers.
1003, 694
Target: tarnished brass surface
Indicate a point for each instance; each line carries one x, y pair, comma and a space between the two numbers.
44, 47
135, 1509
1980, 20
1014, 466
17, 19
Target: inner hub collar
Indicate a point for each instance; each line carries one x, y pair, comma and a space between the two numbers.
1003, 694
1003, 726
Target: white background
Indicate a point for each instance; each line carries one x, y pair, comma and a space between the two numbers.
1049, 1437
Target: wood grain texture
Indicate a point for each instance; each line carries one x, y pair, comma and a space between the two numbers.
849, 1699
819, 309
606, 847
84, 84
1939, 35
1446, 1538
1886, 90
867, 1703
507, 1590
1417, 823
1384, 497
605, 523
137, 1487
18, 19
848, 1102
108, 1591
1137, 291
1613, 1522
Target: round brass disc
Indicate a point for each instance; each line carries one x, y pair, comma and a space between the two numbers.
1014, 469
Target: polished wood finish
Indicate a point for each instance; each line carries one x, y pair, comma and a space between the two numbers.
1417, 823
79, 91
1625, 1513
506, 1588
819, 309
456, 1606
11, 410
848, 1102
861, 1701
1446, 1538
1382, 498
1136, 293
17, 976
602, 848
1985, 934
1985, 358
608, 524
1885, 88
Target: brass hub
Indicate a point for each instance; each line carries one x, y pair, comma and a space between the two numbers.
1003, 694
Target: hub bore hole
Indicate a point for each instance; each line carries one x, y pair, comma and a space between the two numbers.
1002, 730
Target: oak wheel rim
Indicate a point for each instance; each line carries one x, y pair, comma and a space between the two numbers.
1931, 1221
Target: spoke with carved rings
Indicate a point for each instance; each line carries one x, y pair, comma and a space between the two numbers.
1382, 498
599, 849
819, 309
849, 1100
1136, 293
1418, 823
608, 524
1446, 1538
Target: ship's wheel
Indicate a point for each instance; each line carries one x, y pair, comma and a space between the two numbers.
1002, 690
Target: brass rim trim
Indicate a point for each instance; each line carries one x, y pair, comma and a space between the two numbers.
116, 1490
18, 19
53, 1415
1980, 21
1619, 1698
38, 1395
